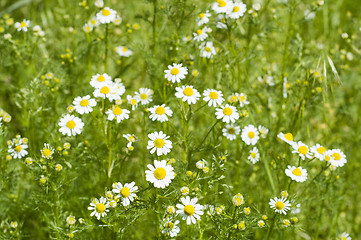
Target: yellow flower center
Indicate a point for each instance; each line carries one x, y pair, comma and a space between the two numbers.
208, 49
327, 158
84, 103
143, 96
125, 192
160, 110
222, 3
174, 71
70, 124
125, 49
189, 210
160, 173
93, 21
117, 110
188, 91
101, 78
336, 156
105, 12
321, 150
279, 205
47, 152
251, 135
253, 155
199, 31
169, 225
201, 16
297, 172
22, 24
105, 90
159, 143
131, 138
18, 148
235, 9
242, 98
303, 150
231, 130
133, 101
227, 111
289, 136
213, 95
100, 208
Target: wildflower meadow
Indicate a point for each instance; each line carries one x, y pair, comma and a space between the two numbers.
178, 119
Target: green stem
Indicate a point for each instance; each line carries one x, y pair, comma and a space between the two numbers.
205, 137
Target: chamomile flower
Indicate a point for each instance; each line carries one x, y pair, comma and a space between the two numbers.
344, 236
17, 148
104, 90
132, 101
288, 137
221, 6
70, 220
160, 113
318, 151
254, 155
213, 97
118, 113
190, 210
131, 139
84, 104
261, 223
201, 164
99, 80
227, 113
242, 99
70, 125
87, 28
170, 228
187, 94
106, 15
94, 22
238, 200
125, 192
207, 50
47, 151
184, 191
231, 131
23, 25
170, 210
302, 150
263, 131
144, 95
250, 135
201, 34
236, 10
175, 73
160, 174
280, 205
159, 143
203, 18
123, 51
99, 207
338, 158
99, 3
297, 174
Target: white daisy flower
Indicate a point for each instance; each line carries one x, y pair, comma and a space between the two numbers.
99, 207
221, 6
170, 210
23, 25
99, 3
254, 155
201, 34
236, 10
302, 150
84, 104
116, 91
201, 164
250, 135
297, 174
126, 192
318, 151
160, 174
94, 22
338, 158
184, 191
104, 90
288, 137
238, 200
203, 18
213, 97
70, 220
118, 113
118, 20
70, 125
144, 95
132, 101
261, 223
170, 228
160, 113
131, 139
123, 51
99, 80
190, 210
188, 94
106, 15
175, 73
207, 50
47, 151
221, 22
280, 205
159, 143
263, 131
242, 98
344, 236
231, 131
227, 113
17, 148
87, 28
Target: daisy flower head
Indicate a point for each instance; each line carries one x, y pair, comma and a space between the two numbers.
288, 137
190, 210
70, 125
203, 18
106, 15
175, 73
17, 148
213, 97
171, 209
99, 80
184, 191
123, 51
250, 135
159, 143
254, 155
87, 28
261, 223
201, 164
125, 192
99, 3
47, 151
131, 139
94, 22
23, 25
297, 174
132, 101
318, 151
201, 34
105, 90
99, 207
160, 174
338, 158
280, 205
187, 94
302, 150
70, 220
144, 95
263, 131
160, 113
238, 200
117, 113
236, 10
84, 104
221, 22
170, 228
242, 98
221, 6
207, 50
231, 131
227, 113
344, 236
